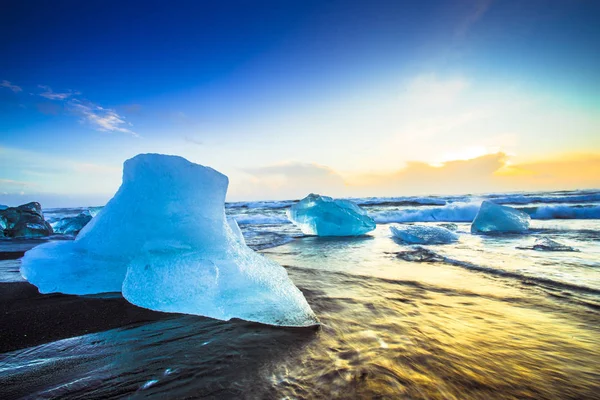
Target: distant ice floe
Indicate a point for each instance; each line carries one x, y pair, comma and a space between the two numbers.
164, 241
324, 216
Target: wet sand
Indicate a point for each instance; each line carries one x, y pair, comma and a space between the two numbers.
30, 318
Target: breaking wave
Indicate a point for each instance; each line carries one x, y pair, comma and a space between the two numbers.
466, 212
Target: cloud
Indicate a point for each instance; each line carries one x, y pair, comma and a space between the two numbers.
49, 94
487, 173
429, 90
102, 119
8, 85
576, 171
457, 176
9, 184
193, 140
290, 180
477, 11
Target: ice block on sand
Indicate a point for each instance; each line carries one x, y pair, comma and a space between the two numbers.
164, 241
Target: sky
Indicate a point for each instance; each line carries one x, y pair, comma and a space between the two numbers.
344, 98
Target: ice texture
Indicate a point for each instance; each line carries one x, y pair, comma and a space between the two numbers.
164, 241
235, 229
423, 234
71, 225
24, 221
494, 218
324, 216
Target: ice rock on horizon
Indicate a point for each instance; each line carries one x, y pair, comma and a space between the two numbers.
164, 241
494, 218
324, 216
423, 234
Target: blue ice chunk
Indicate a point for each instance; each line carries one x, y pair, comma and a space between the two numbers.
324, 216
494, 218
71, 225
164, 241
235, 229
423, 234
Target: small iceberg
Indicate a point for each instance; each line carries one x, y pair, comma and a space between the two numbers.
494, 218
164, 241
423, 234
25, 221
324, 216
545, 244
72, 225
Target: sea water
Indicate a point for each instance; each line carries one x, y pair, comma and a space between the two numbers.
485, 320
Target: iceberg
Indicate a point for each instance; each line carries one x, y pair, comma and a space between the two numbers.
324, 216
24, 221
235, 229
423, 234
163, 241
494, 218
72, 225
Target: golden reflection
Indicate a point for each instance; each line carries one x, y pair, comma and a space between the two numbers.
462, 335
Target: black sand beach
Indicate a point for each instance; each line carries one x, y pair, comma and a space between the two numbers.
30, 318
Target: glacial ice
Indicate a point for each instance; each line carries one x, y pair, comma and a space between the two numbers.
494, 218
72, 225
235, 229
423, 234
324, 216
24, 221
164, 241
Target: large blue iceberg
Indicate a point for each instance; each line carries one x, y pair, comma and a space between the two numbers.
324, 216
164, 241
423, 234
494, 218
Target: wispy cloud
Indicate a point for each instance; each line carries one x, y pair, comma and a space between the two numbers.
193, 140
51, 95
13, 183
102, 119
98, 117
8, 85
478, 10
292, 180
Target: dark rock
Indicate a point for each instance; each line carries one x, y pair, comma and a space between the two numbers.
419, 254
546, 244
450, 226
33, 208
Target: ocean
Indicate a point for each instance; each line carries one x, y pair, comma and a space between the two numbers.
485, 317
